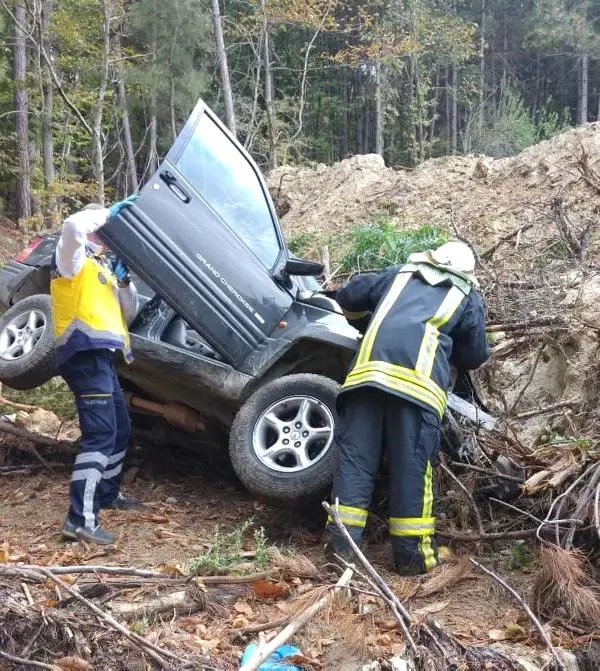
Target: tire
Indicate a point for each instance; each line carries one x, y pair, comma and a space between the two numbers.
27, 350
301, 470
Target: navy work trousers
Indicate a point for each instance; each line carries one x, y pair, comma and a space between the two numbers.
371, 421
105, 434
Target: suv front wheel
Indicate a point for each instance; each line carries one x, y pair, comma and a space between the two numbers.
282, 440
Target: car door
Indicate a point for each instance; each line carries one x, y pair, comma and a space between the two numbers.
204, 235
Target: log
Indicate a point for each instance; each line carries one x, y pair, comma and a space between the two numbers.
180, 602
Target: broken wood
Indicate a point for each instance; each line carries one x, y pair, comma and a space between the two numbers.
524, 326
505, 238
543, 633
487, 471
179, 602
541, 411
263, 652
265, 626
38, 439
157, 654
28, 662
468, 495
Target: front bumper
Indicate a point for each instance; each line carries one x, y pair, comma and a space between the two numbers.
12, 275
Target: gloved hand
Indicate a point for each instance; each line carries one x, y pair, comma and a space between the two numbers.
121, 272
115, 208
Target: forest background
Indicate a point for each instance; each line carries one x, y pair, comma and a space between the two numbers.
93, 92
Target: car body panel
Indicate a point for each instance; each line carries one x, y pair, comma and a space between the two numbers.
189, 247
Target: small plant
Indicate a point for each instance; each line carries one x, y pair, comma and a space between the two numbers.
225, 550
53, 395
382, 244
140, 627
522, 557
300, 243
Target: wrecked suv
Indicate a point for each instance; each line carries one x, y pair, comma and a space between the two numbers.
232, 333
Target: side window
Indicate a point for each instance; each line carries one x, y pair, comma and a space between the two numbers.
223, 177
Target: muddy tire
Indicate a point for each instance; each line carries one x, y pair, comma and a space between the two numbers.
27, 351
281, 442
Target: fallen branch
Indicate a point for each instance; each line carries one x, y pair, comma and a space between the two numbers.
529, 380
157, 654
177, 601
487, 537
37, 438
544, 634
28, 662
265, 626
263, 652
378, 582
524, 326
548, 408
487, 471
467, 493
505, 238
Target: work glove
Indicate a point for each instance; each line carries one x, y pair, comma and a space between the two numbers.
115, 208
121, 272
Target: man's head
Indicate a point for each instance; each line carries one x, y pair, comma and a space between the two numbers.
94, 242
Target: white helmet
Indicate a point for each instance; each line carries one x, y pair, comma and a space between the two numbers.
456, 255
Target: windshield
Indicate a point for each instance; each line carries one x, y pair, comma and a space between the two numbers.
222, 176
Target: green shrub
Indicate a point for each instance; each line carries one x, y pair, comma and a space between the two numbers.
382, 244
300, 243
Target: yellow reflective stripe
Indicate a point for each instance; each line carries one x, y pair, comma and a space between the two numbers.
364, 354
412, 526
430, 341
354, 517
406, 382
403, 373
425, 545
352, 316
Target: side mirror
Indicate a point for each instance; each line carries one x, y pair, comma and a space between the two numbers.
303, 268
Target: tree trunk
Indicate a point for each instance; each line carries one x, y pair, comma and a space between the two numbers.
481, 67
434, 108
172, 111
448, 98
344, 140
131, 171
50, 214
378, 110
153, 135
359, 106
97, 154
223, 67
21, 103
269, 90
582, 88
454, 106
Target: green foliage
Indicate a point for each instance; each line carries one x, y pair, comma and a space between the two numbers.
522, 556
53, 395
382, 244
225, 548
300, 243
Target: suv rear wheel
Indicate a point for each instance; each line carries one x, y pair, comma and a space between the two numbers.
282, 440
27, 356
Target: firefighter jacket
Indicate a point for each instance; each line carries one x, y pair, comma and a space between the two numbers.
418, 320
86, 311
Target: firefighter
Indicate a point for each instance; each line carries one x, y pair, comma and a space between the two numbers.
418, 320
92, 299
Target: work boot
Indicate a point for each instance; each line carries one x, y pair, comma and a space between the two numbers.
122, 502
98, 535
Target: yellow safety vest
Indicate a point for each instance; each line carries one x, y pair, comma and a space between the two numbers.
87, 313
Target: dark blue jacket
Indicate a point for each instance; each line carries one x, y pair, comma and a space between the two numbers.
417, 321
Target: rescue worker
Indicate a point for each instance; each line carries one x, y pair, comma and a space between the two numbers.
418, 320
92, 299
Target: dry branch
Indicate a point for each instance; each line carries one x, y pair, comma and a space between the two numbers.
264, 652
468, 495
177, 601
8, 427
543, 633
505, 238
28, 662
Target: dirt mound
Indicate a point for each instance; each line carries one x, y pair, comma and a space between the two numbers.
533, 219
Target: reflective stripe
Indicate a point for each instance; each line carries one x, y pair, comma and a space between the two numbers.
398, 378
91, 476
412, 526
87, 457
115, 458
111, 473
395, 290
425, 545
354, 517
352, 316
95, 395
430, 341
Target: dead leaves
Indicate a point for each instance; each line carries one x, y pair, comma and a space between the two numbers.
74, 663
